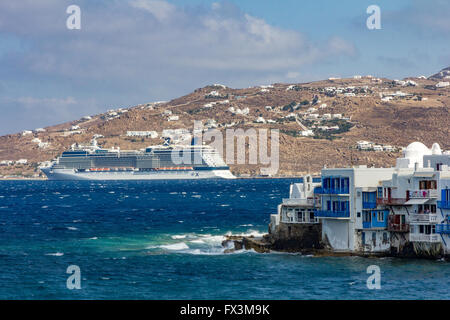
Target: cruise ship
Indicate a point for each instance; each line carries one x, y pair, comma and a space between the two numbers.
153, 163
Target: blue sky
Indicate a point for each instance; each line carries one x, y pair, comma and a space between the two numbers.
136, 51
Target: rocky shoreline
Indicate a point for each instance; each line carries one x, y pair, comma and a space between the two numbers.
306, 240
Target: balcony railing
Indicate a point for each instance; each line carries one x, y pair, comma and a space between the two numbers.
375, 224
420, 237
369, 204
422, 217
443, 204
443, 228
391, 201
332, 214
294, 218
298, 201
423, 194
321, 190
297, 221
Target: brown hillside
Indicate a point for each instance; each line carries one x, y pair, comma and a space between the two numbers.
422, 114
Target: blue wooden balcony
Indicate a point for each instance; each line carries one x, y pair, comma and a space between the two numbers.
443, 228
376, 219
443, 204
331, 214
369, 204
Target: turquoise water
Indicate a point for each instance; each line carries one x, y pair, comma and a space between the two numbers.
162, 240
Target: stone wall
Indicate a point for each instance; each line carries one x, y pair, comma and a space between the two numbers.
296, 237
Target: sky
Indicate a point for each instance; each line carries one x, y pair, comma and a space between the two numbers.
129, 52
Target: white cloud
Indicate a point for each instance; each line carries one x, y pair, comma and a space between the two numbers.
32, 102
340, 46
125, 42
292, 75
32, 112
161, 9
426, 18
143, 50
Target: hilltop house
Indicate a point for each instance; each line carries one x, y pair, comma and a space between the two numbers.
151, 134
442, 84
173, 118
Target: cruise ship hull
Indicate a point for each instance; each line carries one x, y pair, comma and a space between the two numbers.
71, 174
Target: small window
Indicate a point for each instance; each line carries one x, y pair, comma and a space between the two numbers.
374, 238
380, 217
385, 237
358, 214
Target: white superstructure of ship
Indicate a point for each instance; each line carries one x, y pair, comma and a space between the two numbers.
160, 162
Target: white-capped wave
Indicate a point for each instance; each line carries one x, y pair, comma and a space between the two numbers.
249, 233
198, 241
181, 236
175, 246
56, 254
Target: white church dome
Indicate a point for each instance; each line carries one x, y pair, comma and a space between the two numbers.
415, 152
415, 149
436, 149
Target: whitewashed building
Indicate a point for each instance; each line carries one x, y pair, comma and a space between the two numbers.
381, 210
400, 210
299, 207
173, 118
364, 145
347, 208
442, 84
22, 161
417, 197
150, 134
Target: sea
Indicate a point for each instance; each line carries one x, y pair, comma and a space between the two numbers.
163, 240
